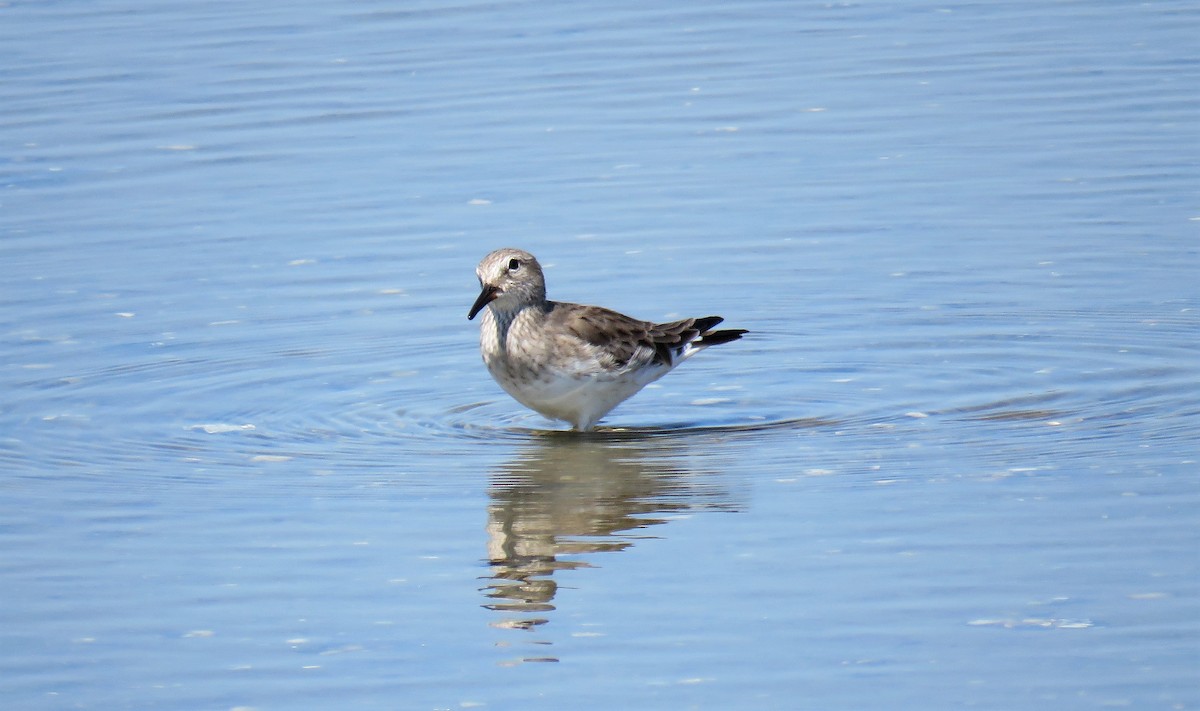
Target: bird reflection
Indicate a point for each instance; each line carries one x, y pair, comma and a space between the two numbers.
567, 497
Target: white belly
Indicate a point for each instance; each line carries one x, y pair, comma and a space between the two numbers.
579, 400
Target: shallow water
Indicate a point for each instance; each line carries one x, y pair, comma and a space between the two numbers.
251, 458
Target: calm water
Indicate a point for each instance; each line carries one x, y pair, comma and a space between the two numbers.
251, 460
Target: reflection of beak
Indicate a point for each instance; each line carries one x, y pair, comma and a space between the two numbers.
487, 296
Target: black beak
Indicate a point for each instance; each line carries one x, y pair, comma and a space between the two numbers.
486, 297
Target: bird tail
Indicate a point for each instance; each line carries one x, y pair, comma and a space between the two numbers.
709, 337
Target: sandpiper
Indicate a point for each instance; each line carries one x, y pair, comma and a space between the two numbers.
569, 361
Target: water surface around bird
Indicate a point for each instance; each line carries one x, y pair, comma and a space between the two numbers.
250, 458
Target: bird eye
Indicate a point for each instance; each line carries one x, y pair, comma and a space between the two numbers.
514, 264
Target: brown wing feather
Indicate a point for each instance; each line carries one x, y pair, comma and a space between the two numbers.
617, 335
620, 337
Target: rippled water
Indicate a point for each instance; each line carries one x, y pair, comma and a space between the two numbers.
250, 457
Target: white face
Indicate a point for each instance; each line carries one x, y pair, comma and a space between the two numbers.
509, 278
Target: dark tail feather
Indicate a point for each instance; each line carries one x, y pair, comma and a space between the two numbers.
715, 338
704, 324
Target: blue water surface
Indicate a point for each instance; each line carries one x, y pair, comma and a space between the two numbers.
250, 459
